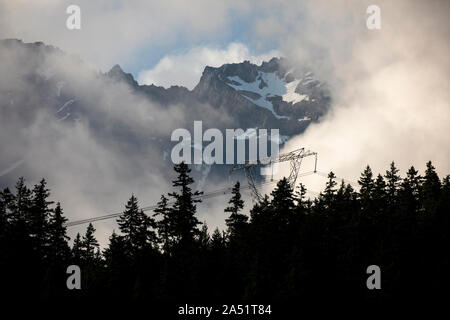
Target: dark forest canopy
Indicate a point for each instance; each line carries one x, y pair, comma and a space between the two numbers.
286, 247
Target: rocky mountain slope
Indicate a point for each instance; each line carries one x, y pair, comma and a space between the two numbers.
38, 81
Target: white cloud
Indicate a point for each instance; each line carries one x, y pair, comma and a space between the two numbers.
186, 69
391, 102
114, 31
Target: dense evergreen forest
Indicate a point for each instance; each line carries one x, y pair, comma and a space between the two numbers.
287, 247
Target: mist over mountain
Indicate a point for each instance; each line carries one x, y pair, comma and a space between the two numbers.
92, 133
241, 95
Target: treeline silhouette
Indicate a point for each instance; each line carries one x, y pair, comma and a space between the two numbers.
287, 248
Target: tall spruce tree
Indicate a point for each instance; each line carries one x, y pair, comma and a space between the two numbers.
89, 244
236, 221
367, 186
431, 189
77, 249
58, 247
165, 223
136, 227
329, 194
39, 217
282, 203
22, 204
392, 183
185, 223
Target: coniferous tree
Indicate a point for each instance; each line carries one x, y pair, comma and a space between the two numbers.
204, 238
39, 217
431, 188
236, 221
301, 194
20, 245
185, 223
58, 247
165, 225
410, 192
330, 190
22, 204
392, 183
77, 248
136, 228
217, 241
379, 191
367, 186
89, 244
415, 181
283, 201
115, 249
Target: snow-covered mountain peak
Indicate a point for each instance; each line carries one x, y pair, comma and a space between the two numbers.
268, 85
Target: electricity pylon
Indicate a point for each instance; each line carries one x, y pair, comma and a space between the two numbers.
294, 157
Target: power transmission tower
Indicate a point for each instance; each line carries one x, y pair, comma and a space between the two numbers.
294, 157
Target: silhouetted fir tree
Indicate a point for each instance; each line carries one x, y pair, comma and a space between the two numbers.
204, 238
283, 202
184, 222
410, 192
236, 221
366, 214
89, 244
431, 189
20, 246
261, 210
350, 193
58, 247
165, 224
141, 244
329, 194
217, 242
91, 265
77, 249
39, 216
346, 200
392, 183
303, 204
300, 195
180, 272
58, 255
136, 227
414, 181
98, 258
22, 204
235, 252
367, 186
379, 192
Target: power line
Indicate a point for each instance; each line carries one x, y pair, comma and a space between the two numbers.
207, 195
294, 157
